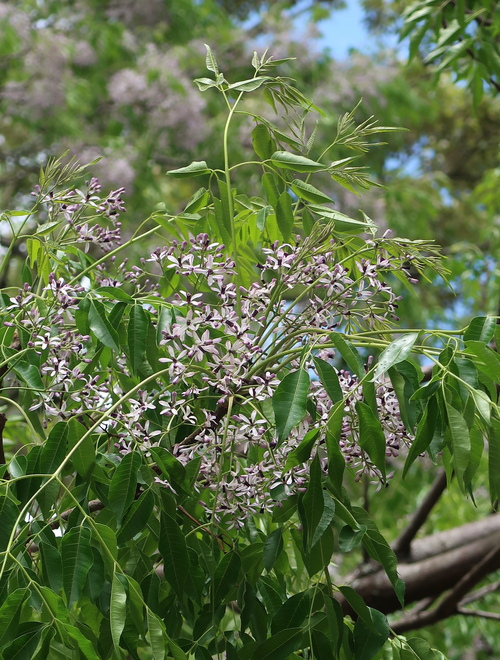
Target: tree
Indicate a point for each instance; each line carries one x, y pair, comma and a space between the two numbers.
172, 434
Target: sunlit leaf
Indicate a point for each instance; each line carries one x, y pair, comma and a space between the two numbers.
396, 352
481, 328
309, 193
196, 168
117, 610
288, 161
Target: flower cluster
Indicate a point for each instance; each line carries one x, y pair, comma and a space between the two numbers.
221, 353
80, 208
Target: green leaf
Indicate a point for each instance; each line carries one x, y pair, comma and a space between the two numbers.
476, 452
114, 293
284, 215
487, 360
292, 613
203, 85
271, 188
371, 436
51, 566
378, 549
494, 460
367, 642
101, 327
481, 328
349, 353
302, 452
83, 644
343, 223
198, 201
262, 142
10, 613
226, 576
309, 193
30, 374
44, 648
405, 379
312, 504
358, 605
137, 517
396, 352
54, 449
249, 85
123, 484
136, 336
172, 546
157, 635
117, 610
336, 461
349, 538
279, 646
329, 379
196, 168
83, 451
33, 246
222, 209
422, 651
288, 161
458, 432
24, 646
289, 402
326, 518
9, 512
210, 61
77, 559
424, 434
483, 404
272, 548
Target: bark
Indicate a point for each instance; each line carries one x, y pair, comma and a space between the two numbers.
435, 565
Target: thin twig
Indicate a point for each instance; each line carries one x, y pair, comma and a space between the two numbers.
480, 593
482, 613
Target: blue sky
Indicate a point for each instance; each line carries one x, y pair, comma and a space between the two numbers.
345, 30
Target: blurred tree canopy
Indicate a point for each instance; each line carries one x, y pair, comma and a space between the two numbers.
114, 80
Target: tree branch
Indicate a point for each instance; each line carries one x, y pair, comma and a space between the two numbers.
480, 593
455, 554
482, 613
402, 545
450, 603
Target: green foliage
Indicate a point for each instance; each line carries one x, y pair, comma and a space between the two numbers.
182, 437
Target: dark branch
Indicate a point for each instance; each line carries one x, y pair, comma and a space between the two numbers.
450, 604
402, 545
